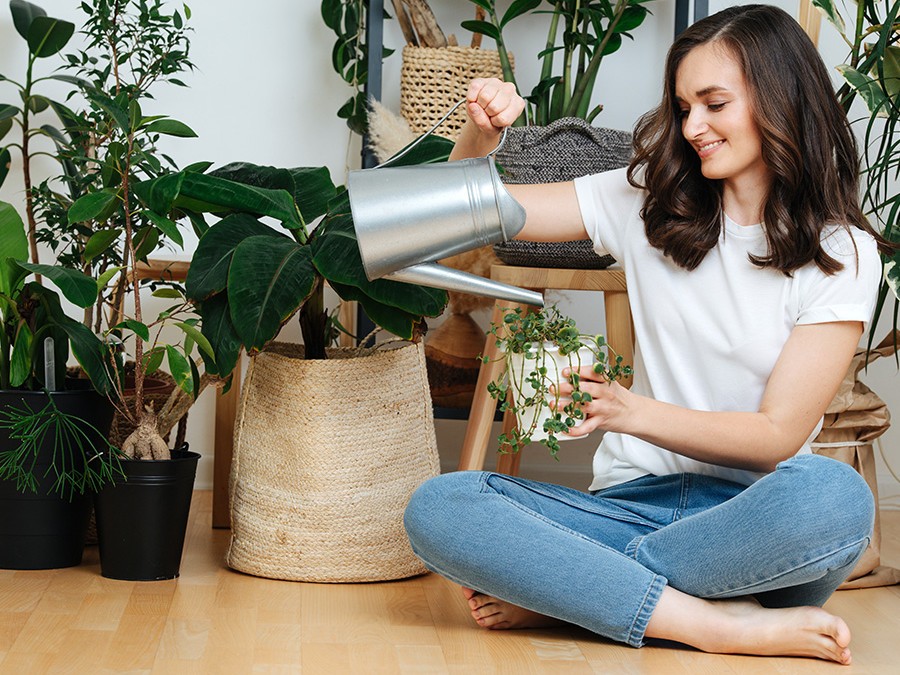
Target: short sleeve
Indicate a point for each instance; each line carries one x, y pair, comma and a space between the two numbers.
848, 295
608, 203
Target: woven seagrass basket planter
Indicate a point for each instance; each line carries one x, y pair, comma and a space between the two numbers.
561, 151
327, 454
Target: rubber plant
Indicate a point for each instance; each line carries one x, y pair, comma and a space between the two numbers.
581, 33
524, 338
871, 75
248, 278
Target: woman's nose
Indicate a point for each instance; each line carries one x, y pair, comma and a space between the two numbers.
693, 124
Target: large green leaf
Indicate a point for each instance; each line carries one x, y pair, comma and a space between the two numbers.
208, 272
228, 195
311, 187
171, 128
269, 280
219, 331
518, 8
100, 242
336, 256
482, 27
8, 111
20, 361
828, 9
180, 369
429, 150
78, 288
159, 194
400, 323
5, 126
166, 226
632, 17
91, 205
13, 244
867, 88
23, 13
92, 354
46, 36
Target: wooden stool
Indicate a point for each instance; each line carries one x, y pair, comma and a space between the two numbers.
611, 282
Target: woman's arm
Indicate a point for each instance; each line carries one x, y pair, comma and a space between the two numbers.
803, 383
552, 208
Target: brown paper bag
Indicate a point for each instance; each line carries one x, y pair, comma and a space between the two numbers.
855, 418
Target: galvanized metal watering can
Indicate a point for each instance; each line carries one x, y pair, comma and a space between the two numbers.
408, 217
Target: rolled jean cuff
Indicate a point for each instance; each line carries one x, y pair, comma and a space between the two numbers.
635, 636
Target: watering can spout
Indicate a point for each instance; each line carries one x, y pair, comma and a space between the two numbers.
433, 275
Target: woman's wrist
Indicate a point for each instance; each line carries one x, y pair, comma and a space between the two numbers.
473, 141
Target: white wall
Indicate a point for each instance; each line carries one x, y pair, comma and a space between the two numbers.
264, 91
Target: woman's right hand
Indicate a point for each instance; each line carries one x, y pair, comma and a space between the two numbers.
493, 104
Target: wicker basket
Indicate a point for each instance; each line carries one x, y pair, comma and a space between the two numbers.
433, 80
326, 456
563, 150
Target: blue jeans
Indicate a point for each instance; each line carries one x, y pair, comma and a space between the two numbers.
601, 560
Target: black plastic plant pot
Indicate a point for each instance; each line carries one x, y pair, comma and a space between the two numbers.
43, 530
142, 520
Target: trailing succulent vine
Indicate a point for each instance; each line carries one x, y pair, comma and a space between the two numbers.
522, 336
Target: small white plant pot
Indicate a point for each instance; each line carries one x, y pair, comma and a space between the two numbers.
550, 358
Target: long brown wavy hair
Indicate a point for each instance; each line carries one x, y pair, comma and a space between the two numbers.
807, 144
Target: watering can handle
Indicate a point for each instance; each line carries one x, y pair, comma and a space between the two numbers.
431, 131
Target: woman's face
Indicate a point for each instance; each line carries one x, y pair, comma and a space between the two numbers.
717, 119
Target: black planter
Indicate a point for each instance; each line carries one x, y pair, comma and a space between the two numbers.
141, 521
43, 530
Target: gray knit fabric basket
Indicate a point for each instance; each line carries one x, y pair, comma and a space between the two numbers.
563, 150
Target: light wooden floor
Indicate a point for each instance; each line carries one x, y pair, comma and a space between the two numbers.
213, 620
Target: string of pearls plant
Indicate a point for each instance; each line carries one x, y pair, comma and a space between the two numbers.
536, 346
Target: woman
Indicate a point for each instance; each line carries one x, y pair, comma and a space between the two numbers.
752, 273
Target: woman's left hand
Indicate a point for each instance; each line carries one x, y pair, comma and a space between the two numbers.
609, 408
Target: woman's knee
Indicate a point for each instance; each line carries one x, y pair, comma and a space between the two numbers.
434, 501
831, 487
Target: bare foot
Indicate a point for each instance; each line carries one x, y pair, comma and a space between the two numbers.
743, 626
498, 614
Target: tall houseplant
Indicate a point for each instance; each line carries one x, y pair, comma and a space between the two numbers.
581, 33
872, 75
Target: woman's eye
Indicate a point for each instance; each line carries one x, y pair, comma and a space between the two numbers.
715, 107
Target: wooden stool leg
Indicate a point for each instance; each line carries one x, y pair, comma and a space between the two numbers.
508, 462
618, 328
481, 415
226, 412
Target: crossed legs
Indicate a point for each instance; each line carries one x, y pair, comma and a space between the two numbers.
692, 569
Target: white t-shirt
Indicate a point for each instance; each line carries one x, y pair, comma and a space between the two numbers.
709, 338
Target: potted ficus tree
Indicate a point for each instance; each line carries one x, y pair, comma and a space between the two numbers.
536, 346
